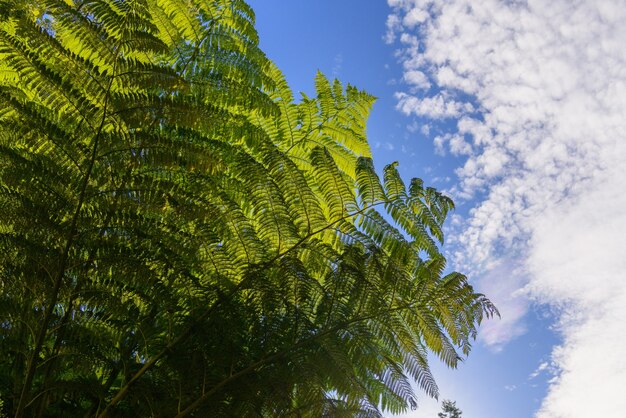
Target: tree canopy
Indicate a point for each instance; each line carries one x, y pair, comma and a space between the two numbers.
449, 410
180, 237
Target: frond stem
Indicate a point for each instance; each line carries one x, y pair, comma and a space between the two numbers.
32, 364
182, 337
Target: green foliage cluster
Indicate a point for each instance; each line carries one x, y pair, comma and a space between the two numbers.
449, 410
180, 237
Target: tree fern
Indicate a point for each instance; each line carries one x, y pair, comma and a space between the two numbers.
180, 237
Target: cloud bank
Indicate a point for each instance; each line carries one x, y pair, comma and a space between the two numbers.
537, 93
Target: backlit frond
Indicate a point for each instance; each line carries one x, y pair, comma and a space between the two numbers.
179, 236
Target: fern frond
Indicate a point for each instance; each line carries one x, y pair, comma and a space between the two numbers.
180, 236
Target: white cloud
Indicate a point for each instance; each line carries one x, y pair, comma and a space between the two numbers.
543, 366
457, 144
417, 78
393, 24
578, 260
414, 17
436, 107
548, 156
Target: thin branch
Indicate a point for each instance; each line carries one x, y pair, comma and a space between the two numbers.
287, 350
32, 364
182, 337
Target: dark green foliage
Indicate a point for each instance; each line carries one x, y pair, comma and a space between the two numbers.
178, 237
449, 410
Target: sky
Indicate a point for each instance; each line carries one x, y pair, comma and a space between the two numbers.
517, 110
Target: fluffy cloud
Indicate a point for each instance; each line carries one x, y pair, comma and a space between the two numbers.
578, 260
417, 79
545, 139
435, 107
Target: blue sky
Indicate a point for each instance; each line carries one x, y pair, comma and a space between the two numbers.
518, 110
